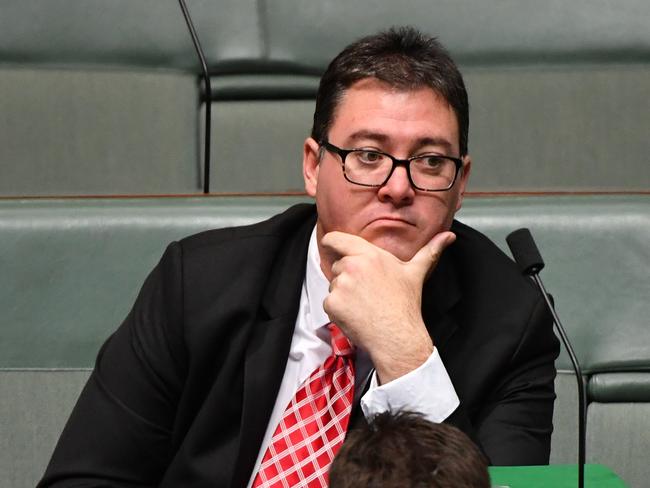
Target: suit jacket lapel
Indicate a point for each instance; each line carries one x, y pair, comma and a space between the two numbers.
268, 349
441, 292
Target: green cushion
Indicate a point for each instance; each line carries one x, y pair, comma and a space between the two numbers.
93, 132
245, 36
34, 406
508, 31
252, 151
597, 255
559, 127
74, 267
617, 435
532, 128
564, 442
124, 33
620, 387
261, 86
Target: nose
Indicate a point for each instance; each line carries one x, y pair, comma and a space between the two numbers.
397, 190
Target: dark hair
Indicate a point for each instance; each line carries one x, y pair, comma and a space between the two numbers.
404, 58
403, 450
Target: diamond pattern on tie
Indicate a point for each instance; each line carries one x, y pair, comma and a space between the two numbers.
314, 424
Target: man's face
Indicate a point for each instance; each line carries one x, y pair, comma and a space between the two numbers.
395, 217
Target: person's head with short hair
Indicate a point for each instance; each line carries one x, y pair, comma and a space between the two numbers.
404, 450
387, 158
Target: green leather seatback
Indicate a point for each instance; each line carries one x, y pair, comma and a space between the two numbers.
142, 34
69, 258
597, 256
72, 268
556, 89
618, 423
101, 97
34, 407
75, 266
93, 132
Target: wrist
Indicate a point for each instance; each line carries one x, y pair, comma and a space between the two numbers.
401, 360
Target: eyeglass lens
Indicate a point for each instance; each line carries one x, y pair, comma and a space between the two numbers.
430, 172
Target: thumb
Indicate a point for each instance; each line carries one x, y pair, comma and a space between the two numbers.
427, 257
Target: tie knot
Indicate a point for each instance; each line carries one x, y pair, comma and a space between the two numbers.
341, 345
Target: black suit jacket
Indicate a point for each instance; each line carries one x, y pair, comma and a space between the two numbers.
182, 392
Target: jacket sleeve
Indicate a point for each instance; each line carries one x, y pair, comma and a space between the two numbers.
119, 433
514, 426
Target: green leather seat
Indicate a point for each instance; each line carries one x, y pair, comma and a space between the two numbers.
548, 87
104, 97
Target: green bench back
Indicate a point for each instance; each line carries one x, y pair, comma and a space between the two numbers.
104, 97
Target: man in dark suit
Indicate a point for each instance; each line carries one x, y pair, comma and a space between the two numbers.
192, 389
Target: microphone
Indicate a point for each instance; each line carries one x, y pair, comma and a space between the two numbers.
530, 262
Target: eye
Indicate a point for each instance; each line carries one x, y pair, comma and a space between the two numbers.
432, 164
369, 157
433, 161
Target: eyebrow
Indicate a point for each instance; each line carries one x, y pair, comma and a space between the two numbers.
417, 143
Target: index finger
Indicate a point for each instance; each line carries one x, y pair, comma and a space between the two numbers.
344, 244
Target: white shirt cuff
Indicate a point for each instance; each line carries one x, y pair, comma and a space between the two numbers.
436, 401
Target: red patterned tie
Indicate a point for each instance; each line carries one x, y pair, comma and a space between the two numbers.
314, 424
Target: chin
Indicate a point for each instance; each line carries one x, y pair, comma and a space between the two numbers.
399, 247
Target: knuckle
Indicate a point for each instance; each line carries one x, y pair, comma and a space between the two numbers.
327, 304
347, 265
333, 284
341, 282
328, 239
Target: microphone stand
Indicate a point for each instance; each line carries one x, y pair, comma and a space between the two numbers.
530, 261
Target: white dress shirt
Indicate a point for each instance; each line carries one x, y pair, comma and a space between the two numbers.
310, 346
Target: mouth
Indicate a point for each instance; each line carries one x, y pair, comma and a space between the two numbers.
391, 219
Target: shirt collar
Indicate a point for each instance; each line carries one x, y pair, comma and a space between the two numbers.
317, 285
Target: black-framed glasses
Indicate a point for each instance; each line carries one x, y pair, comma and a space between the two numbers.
427, 172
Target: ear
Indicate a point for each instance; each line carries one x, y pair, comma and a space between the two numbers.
462, 180
310, 165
